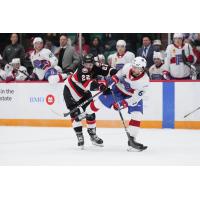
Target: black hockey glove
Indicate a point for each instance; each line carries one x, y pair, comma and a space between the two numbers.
102, 87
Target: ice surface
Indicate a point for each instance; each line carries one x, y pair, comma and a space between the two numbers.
57, 146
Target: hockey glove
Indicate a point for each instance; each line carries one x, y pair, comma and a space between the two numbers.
166, 75
190, 59
38, 64
102, 87
123, 104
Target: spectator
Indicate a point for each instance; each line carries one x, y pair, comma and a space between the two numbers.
68, 59
96, 47
109, 42
85, 47
178, 60
196, 40
156, 70
146, 51
49, 45
14, 50
196, 51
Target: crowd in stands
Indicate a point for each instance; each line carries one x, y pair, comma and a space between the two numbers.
180, 60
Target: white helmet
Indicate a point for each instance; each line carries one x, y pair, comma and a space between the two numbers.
157, 42
99, 57
140, 62
158, 55
15, 61
121, 43
37, 39
178, 35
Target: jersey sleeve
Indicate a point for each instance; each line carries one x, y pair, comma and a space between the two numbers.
167, 59
138, 94
52, 58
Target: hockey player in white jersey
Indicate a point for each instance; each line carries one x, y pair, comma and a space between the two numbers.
44, 63
15, 71
121, 57
178, 60
156, 70
128, 87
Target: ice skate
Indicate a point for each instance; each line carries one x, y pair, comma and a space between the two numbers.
135, 146
94, 138
80, 140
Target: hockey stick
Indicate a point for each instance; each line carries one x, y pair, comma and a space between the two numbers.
28, 76
121, 116
82, 104
2, 78
192, 112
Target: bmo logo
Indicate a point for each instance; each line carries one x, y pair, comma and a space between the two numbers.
50, 99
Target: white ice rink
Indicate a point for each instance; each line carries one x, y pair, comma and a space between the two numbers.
57, 146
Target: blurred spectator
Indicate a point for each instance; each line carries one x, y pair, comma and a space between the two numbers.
109, 42
119, 59
14, 50
85, 47
146, 51
179, 59
196, 40
156, 70
96, 47
53, 37
30, 48
68, 59
49, 45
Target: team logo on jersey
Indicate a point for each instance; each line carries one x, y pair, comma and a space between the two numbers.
50, 99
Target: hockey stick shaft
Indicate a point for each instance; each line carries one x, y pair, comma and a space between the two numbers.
28, 76
82, 104
192, 112
121, 116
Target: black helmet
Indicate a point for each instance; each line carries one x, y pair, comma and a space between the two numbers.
89, 58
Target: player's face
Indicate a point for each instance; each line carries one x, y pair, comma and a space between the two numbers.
89, 66
121, 49
16, 65
38, 45
136, 71
157, 61
178, 41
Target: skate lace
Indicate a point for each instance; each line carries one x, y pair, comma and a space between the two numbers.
95, 137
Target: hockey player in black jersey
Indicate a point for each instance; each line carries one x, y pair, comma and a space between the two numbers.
77, 90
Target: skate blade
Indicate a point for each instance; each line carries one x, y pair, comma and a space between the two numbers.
98, 145
81, 147
131, 149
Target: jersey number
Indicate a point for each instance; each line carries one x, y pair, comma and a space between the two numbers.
85, 77
140, 93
